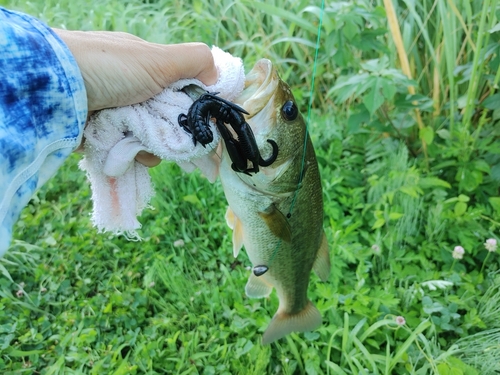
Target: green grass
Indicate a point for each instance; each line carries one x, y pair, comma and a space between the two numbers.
406, 178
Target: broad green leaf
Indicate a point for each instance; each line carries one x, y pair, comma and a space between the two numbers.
388, 89
378, 223
192, 198
495, 28
374, 98
495, 203
492, 102
390, 196
375, 65
412, 191
108, 309
350, 30
426, 134
468, 179
355, 86
463, 198
495, 172
444, 133
482, 166
430, 182
460, 208
395, 215
446, 369
459, 364
443, 369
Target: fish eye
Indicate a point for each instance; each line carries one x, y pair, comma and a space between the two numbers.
289, 111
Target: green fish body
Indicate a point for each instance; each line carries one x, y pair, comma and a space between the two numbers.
277, 213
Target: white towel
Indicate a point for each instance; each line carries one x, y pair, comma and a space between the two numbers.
121, 187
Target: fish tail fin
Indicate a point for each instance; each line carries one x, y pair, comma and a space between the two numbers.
282, 323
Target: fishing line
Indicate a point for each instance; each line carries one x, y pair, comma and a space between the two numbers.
308, 119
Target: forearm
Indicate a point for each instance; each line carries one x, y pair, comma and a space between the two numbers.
121, 69
43, 108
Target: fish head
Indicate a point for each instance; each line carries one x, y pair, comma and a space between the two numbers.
273, 115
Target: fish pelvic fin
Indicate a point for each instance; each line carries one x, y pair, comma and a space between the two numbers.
257, 288
282, 323
235, 224
277, 223
321, 265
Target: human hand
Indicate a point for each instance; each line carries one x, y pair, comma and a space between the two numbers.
120, 69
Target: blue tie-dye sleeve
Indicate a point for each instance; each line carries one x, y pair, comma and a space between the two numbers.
43, 109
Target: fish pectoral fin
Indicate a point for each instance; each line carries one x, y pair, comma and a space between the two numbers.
230, 218
277, 223
257, 288
282, 323
235, 224
321, 265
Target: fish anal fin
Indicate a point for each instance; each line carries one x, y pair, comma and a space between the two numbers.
277, 223
257, 288
321, 265
235, 224
282, 323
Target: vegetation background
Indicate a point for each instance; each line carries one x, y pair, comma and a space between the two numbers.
404, 119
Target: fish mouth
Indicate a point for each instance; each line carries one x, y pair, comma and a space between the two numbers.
260, 86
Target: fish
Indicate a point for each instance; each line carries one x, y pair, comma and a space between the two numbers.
276, 214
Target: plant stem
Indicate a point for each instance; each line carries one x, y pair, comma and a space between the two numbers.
453, 264
405, 64
449, 42
484, 262
476, 70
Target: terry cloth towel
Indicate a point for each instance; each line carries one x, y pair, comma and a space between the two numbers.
121, 187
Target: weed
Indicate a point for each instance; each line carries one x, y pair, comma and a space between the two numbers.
405, 125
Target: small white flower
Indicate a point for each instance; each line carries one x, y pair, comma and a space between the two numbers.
179, 243
491, 245
43, 289
400, 320
19, 293
458, 252
376, 249
151, 284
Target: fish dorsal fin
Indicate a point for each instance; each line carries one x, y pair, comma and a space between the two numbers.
235, 224
277, 223
257, 288
321, 265
282, 323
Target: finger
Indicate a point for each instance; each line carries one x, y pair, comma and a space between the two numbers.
147, 159
188, 60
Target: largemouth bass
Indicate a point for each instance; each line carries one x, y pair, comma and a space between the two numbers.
277, 213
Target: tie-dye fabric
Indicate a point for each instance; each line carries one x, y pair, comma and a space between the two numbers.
43, 108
